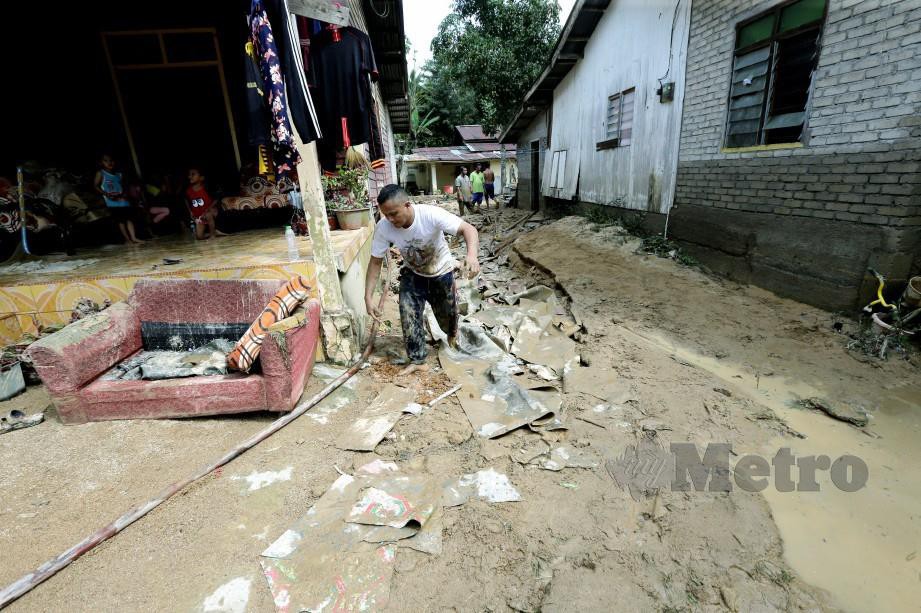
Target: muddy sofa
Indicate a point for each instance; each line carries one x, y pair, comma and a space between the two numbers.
71, 361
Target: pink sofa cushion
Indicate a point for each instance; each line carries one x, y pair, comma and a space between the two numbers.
201, 301
187, 397
67, 359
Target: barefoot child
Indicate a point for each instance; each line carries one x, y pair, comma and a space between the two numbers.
201, 206
108, 182
428, 267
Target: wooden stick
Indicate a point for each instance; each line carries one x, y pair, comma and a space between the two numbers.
48, 569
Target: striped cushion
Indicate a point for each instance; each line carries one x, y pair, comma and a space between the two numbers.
280, 307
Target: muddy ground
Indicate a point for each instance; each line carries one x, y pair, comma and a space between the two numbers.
706, 361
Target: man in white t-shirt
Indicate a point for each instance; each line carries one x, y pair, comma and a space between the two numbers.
428, 266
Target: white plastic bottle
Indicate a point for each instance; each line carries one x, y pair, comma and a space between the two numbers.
293, 253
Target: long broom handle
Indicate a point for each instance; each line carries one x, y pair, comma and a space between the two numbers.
48, 569
22, 209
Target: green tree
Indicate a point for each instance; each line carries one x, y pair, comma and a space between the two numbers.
443, 90
421, 118
488, 53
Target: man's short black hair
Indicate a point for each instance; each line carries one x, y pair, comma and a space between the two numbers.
392, 192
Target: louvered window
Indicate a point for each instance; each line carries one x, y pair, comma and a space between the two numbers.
618, 122
775, 57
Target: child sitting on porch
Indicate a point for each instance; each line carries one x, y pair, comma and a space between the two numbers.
108, 182
201, 206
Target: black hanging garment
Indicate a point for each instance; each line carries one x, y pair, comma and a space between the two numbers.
340, 72
258, 127
300, 106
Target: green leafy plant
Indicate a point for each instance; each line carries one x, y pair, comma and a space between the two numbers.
347, 189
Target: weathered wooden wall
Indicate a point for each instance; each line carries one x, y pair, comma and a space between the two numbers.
633, 46
536, 131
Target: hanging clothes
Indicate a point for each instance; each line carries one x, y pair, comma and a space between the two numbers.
376, 140
304, 31
300, 106
286, 156
339, 75
258, 128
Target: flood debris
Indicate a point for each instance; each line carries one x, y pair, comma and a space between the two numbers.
376, 420
540, 453
496, 400
208, 359
341, 554
487, 485
838, 410
566, 456
16, 420
85, 307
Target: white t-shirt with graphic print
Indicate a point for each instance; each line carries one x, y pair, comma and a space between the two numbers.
422, 245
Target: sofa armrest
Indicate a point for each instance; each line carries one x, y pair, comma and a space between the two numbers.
80, 352
287, 356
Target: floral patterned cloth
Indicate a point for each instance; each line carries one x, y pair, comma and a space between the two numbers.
9, 216
286, 155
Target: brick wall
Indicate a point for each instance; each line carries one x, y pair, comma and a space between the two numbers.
867, 90
860, 161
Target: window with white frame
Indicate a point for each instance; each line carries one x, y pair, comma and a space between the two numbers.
618, 122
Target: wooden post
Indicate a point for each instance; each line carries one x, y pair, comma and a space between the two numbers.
324, 258
226, 95
340, 326
121, 105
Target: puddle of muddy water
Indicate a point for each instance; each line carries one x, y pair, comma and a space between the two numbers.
863, 547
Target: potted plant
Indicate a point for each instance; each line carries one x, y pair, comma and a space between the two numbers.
347, 195
331, 193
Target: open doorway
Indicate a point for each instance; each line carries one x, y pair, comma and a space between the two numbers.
535, 175
168, 84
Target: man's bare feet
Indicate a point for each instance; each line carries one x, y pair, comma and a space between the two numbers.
219, 233
413, 368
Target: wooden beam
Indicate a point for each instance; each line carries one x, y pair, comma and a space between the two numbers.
162, 31
121, 106
201, 64
227, 108
323, 10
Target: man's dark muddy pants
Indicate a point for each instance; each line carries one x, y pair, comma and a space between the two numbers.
415, 291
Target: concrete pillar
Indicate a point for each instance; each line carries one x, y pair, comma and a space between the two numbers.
336, 320
434, 178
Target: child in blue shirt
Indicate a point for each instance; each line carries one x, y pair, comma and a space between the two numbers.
108, 182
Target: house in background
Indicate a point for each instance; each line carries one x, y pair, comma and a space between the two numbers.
600, 125
778, 142
433, 169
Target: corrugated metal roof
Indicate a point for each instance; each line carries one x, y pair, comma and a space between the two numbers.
490, 146
388, 38
455, 154
582, 21
473, 133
